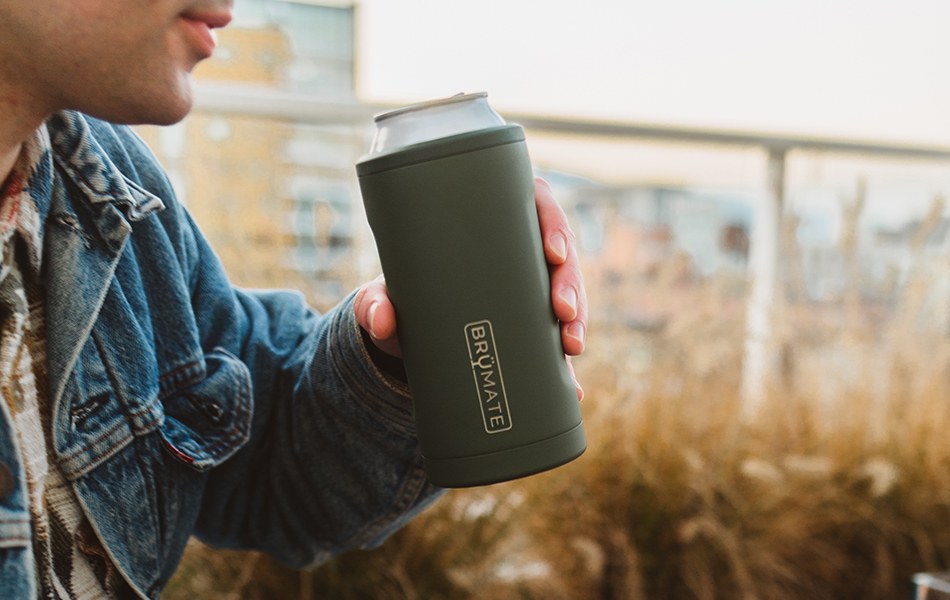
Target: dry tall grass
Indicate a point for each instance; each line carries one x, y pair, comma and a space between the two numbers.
838, 487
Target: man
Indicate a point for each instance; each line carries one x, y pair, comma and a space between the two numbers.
145, 400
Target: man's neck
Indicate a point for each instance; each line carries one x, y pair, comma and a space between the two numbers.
18, 121
7, 160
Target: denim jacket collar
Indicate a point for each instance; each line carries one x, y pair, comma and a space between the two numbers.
88, 247
91, 169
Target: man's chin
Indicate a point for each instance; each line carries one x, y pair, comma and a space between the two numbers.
164, 107
169, 112
167, 117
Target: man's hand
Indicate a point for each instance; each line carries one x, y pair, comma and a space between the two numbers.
375, 313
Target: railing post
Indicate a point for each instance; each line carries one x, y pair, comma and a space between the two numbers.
760, 354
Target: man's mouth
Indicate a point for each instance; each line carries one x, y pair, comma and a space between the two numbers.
201, 23
214, 18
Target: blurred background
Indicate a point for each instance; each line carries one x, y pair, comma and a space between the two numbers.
758, 193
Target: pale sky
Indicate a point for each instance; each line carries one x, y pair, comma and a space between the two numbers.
875, 69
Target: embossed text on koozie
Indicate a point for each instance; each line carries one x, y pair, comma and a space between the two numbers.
489, 382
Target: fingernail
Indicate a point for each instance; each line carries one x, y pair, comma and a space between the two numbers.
559, 246
569, 296
580, 392
576, 331
372, 319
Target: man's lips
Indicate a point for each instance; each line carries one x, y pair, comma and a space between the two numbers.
201, 25
214, 19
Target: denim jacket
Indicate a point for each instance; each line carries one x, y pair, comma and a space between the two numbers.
182, 406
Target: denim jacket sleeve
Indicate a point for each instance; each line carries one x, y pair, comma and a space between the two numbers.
332, 462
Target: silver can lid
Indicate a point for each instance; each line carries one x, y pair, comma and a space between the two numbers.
432, 120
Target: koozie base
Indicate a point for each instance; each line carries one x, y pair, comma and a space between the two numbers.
506, 465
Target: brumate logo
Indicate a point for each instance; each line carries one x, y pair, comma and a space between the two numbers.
488, 380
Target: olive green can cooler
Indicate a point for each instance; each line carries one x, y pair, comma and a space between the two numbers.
449, 194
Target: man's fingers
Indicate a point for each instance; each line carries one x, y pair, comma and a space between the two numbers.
577, 385
376, 315
569, 296
556, 233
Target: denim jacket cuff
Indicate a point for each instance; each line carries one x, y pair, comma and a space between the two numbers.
383, 393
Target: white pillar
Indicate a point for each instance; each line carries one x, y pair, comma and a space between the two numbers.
760, 355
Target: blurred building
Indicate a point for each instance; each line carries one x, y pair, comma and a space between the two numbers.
636, 240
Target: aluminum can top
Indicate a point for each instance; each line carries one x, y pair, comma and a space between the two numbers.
432, 120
